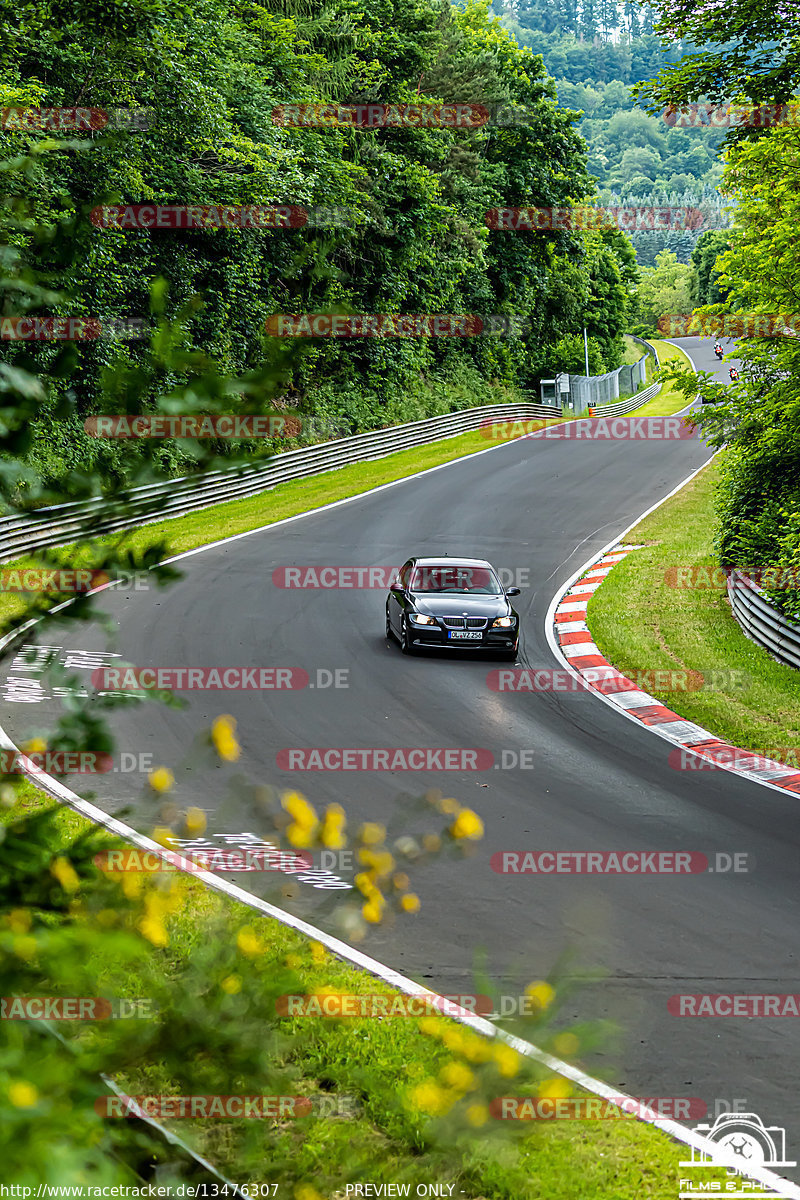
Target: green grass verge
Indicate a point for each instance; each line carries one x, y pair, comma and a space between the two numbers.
641, 623
598, 1159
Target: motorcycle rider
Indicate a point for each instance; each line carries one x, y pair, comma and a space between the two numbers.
734, 374
718, 350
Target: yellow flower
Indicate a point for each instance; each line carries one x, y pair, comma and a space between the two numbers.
409, 903
555, 1089
476, 1049
332, 832
507, 1059
372, 834
161, 779
429, 1097
400, 881
449, 806
248, 942
293, 961
152, 927
318, 952
164, 836
365, 882
132, 884
381, 862
458, 1076
34, 746
453, 1038
64, 872
231, 984
304, 820
306, 1192
300, 836
541, 995
19, 920
22, 1094
372, 912
566, 1043
432, 842
431, 1025
467, 825
195, 821
477, 1114
223, 735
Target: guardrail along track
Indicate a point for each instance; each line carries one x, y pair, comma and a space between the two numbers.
63, 523
761, 622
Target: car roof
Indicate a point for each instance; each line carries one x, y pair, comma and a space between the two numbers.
447, 561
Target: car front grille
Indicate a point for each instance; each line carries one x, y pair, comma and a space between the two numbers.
465, 622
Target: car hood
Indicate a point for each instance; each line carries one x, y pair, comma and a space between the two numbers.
456, 604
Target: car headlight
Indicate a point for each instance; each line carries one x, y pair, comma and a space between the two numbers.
420, 619
503, 622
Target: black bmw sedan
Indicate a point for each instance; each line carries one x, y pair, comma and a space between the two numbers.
451, 604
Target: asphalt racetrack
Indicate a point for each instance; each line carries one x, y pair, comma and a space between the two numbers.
592, 780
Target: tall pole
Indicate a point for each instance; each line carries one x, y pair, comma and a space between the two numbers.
585, 350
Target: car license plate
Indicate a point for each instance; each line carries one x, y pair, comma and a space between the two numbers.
466, 635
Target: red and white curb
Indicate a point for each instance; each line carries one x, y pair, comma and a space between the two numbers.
574, 640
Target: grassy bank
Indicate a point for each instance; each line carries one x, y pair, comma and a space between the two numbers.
641, 622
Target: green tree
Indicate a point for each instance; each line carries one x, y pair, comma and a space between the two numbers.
706, 288
664, 289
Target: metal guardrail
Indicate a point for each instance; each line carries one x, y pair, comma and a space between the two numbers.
648, 348
62, 523
629, 404
762, 623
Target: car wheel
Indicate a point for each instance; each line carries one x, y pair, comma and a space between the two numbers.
389, 630
405, 640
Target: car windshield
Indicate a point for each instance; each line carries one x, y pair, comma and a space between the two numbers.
446, 577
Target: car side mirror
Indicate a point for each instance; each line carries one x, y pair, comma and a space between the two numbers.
513, 592
396, 586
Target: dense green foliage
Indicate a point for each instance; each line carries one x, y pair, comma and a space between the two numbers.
596, 52
414, 240
758, 498
604, 41
706, 285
